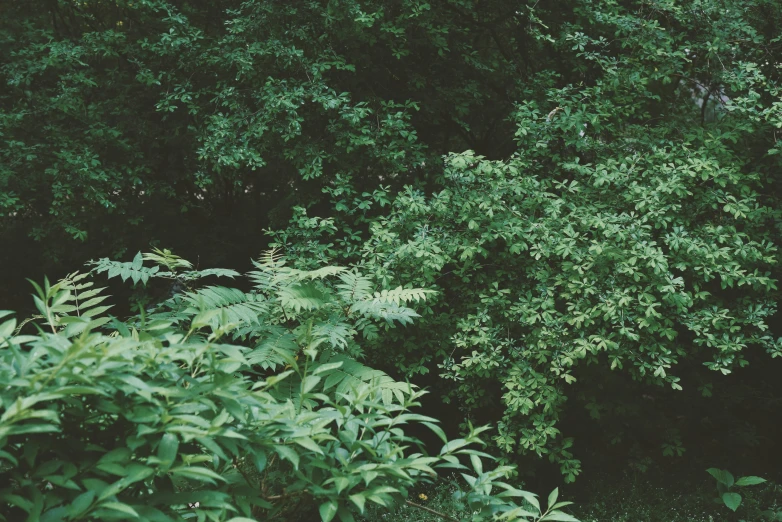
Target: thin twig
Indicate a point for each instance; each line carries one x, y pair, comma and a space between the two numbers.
432, 511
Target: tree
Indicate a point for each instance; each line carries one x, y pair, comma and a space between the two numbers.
621, 202
634, 226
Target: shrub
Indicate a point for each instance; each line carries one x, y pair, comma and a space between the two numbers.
218, 404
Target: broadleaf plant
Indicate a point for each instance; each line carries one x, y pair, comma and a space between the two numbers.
630, 229
170, 415
726, 483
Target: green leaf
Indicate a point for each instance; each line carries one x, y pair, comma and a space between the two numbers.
477, 464
552, 498
342, 483
259, 459
359, 500
137, 262
750, 481
328, 510
309, 444
288, 454
81, 503
345, 515
326, 367
309, 383
722, 476
137, 472
118, 506
7, 328
197, 473
167, 450
732, 500
559, 516
437, 431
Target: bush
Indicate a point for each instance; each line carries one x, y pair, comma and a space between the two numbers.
633, 229
218, 403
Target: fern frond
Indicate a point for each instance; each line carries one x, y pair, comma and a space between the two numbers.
352, 374
340, 374
270, 271
134, 270
368, 329
336, 334
389, 312
233, 305
167, 258
401, 295
271, 258
192, 275
354, 287
81, 304
272, 274
273, 351
289, 389
321, 273
304, 296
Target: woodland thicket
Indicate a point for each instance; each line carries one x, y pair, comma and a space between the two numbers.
555, 225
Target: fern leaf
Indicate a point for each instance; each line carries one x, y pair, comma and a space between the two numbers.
77, 304
274, 350
270, 273
164, 258
304, 296
336, 334
401, 295
354, 287
218, 272
389, 312
351, 374
288, 389
132, 270
320, 273
233, 305
342, 375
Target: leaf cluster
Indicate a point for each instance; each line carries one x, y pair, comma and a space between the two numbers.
171, 415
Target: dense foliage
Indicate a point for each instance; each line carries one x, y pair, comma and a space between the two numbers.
631, 228
584, 194
192, 406
142, 110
